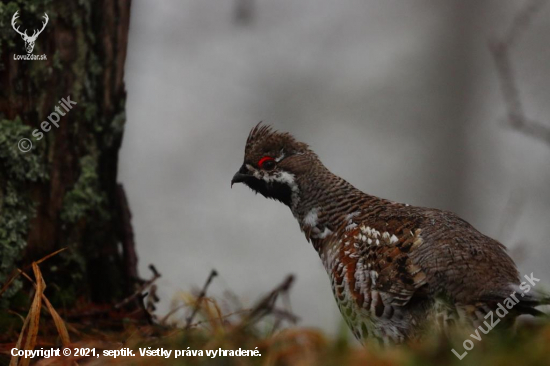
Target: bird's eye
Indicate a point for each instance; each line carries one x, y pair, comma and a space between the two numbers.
267, 163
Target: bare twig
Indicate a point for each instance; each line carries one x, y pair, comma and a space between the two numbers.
202, 294
267, 304
152, 299
141, 289
500, 50
287, 315
170, 313
221, 318
522, 20
138, 294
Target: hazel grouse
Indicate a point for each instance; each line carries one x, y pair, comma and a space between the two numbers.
394, 268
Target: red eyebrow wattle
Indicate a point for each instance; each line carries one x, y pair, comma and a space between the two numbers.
264, 159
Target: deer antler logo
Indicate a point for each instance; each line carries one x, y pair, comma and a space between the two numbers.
29, 40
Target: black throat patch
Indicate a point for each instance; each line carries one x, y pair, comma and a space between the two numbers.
275, 190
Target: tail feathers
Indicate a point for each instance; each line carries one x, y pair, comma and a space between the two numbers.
528, 304
525, 309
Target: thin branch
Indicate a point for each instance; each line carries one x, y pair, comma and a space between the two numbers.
500, 50
221, 318
202, 294
522, 20
267, 304
138, 293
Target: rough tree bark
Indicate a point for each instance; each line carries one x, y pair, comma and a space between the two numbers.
63, 192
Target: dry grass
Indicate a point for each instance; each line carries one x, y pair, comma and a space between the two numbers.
267, 327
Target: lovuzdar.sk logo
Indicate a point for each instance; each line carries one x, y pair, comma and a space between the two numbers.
29, 40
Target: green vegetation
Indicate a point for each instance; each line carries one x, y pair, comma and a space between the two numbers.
18, 171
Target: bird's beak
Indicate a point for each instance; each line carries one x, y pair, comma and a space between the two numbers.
241, 176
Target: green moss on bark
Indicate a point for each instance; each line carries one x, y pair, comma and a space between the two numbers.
17, 171
86, 197
77, 205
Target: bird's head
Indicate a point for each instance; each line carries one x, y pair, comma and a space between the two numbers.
275, 164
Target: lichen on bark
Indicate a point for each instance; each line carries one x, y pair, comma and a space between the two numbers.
63, 193
17, 171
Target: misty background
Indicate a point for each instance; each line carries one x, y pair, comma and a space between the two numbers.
401, 98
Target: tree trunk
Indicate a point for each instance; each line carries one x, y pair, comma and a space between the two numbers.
63, 192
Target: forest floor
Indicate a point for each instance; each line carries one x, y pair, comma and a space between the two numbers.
205, 331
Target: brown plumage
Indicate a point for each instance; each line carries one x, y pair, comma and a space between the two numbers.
394, 268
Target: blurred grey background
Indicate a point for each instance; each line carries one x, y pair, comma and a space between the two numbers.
401, 98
